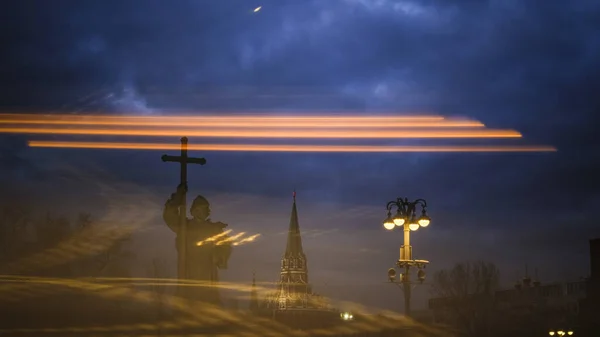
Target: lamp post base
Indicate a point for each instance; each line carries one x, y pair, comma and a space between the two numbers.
405, 282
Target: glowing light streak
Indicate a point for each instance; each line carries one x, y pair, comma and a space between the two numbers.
233, 239
230, 118
246, 240
201, 314
230, 239
275, 124
243, 121
273, 133
91, 240
214, 238
287, 148
257, 9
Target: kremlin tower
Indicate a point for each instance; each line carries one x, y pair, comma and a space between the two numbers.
293, 302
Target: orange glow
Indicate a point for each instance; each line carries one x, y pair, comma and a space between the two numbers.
213, 238
229, 118
258, 124
242, 121
246, 240
285, 148
235, 240
269, 133
193, 314
230, 239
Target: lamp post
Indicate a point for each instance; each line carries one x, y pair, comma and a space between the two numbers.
406, 217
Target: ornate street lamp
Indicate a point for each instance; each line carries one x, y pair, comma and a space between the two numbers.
407, 218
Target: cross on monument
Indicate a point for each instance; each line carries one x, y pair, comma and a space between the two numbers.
183, 160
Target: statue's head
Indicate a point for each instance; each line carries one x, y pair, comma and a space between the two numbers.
200, 209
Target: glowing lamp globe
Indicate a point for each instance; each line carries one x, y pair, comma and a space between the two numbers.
399, 218
424, 221
413, 226
389, 225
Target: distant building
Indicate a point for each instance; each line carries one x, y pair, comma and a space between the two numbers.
594, 281
293, 302
529, 307
541, 307
590, 306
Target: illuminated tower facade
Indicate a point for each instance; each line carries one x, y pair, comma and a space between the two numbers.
293, 301
294, 291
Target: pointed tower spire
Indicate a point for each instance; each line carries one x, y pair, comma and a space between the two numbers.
294, 291
294, 241
253, 295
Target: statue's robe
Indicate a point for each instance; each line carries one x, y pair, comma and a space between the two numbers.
202, 261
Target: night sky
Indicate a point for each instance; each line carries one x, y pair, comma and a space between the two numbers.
533, 66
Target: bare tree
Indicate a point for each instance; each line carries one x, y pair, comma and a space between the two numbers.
99, 262
465, 296
51, 230
88, 264
14, 222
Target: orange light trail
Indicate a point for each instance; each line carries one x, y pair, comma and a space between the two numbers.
285, 148
242, 124
235, 240
269, 133
227, 118
246, 240
243, 121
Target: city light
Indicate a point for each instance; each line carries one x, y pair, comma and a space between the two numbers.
283, 133
245, 126
289, 148
241, 121
406, 216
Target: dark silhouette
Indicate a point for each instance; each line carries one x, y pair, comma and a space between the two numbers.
205, 245
465, 297
183, 161
14, 220
113, 260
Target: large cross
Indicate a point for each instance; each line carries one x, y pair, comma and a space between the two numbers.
183, 160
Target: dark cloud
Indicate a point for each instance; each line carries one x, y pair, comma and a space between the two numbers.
533, 66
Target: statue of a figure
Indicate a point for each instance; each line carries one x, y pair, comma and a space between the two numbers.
203, 258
